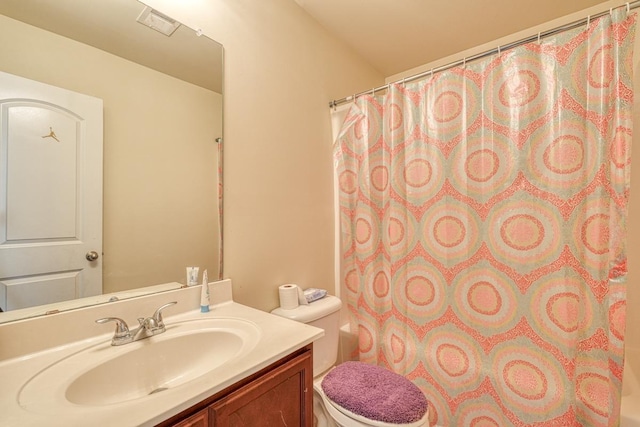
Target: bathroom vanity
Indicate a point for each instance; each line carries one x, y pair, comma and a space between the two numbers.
233, 366
281, 394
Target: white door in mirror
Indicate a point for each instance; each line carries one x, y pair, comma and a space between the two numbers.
50, 194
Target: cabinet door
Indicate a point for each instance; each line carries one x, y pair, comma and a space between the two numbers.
281, 397
200, 419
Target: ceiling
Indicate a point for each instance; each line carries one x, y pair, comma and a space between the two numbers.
110, 25
397, 35
392, 35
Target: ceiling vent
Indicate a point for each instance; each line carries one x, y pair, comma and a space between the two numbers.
158, 21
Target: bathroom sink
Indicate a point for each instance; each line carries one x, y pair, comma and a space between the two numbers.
103, 374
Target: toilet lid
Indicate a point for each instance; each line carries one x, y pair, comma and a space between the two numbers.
375, 393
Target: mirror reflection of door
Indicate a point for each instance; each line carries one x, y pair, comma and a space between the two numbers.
50, 194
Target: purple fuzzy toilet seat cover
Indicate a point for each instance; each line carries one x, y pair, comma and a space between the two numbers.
375, 393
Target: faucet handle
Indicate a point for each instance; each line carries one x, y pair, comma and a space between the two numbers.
122, 330
157, 316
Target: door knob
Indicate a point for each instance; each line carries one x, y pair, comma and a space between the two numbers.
92, 256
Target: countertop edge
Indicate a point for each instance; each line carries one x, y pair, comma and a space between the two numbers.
279, 338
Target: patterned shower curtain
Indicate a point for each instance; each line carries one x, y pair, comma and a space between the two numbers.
483, 216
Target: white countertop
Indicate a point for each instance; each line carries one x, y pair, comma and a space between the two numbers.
279, 337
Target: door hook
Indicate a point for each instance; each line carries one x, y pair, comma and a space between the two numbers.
52, 134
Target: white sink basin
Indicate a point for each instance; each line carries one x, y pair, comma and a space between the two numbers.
103, 374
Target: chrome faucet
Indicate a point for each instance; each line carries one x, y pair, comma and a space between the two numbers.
148, 327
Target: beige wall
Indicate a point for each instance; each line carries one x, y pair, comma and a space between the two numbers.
153, 227
282, 69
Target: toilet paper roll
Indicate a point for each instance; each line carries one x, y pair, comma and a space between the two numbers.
288, 296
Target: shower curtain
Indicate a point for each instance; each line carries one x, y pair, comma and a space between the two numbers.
482, 224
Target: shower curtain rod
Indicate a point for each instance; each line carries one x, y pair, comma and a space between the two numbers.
498, 50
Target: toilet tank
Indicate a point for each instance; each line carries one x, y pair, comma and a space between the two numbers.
325, 314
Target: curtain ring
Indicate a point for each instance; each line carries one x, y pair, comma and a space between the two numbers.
464, 62
611, 11
588, 20
628, 8
373, 92
431, 78
404, 83
539, 39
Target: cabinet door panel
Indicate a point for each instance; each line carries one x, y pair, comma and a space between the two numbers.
201, 419
282, 397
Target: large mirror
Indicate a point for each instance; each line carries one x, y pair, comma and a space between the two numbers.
162, 156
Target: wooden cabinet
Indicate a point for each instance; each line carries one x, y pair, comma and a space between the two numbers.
199, 419
279, 395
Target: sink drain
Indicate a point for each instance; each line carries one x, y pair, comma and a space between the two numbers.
158, 390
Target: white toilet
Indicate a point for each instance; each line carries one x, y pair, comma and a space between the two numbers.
325, 314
